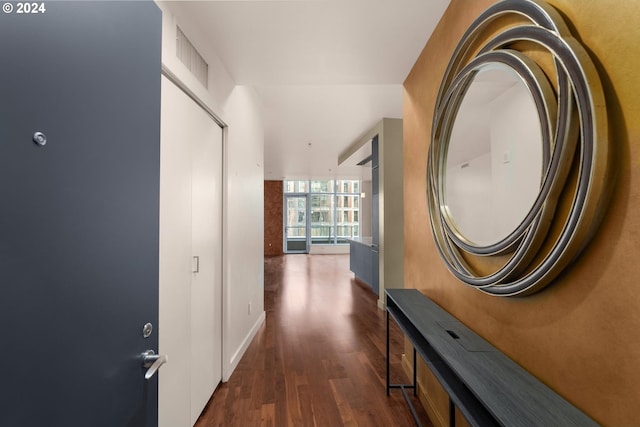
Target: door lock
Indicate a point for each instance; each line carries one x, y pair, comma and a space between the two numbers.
40, 138
147, 329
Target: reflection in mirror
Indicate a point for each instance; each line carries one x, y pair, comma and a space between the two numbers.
494, 157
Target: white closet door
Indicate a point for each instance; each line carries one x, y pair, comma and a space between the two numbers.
174, 395
206, 285
190, 225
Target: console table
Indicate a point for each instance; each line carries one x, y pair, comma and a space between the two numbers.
486, 386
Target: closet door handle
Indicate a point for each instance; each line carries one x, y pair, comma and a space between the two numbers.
195, 265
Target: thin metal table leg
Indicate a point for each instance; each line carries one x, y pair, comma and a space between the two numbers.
415, 374
388, 353
452, 414
403, 387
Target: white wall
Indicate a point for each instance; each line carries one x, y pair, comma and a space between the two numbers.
470, 198
243, 224
516, 158
490, 194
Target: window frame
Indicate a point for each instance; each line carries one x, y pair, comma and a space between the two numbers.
333, 187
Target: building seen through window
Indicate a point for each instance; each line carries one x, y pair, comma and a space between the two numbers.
331, 207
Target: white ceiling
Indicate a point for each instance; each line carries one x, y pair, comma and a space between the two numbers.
326, 70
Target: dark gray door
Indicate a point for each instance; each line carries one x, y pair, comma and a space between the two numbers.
79, 214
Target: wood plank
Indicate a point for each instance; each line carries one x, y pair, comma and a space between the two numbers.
319, 359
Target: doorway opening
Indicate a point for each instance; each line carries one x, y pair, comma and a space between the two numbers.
296, 224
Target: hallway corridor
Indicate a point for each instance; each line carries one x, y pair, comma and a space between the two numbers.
319, 359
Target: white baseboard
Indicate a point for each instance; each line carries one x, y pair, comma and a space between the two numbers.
328, 249
237, 356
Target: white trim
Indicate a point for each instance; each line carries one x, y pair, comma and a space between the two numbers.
226, 294
227, 369
329, 249
237, 356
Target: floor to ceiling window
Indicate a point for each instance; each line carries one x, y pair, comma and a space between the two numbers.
332, 213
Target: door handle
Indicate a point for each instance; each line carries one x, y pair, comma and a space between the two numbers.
152, 362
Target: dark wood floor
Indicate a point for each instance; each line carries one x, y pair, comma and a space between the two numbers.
319, 359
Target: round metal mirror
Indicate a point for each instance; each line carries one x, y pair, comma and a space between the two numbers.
518, 167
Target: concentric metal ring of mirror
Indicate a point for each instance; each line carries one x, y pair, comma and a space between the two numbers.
533, 190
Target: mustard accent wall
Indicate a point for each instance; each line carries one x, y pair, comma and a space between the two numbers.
580, 335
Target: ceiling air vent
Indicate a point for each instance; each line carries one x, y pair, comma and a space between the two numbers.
190, 57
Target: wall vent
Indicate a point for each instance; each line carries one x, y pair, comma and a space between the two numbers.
187, 53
